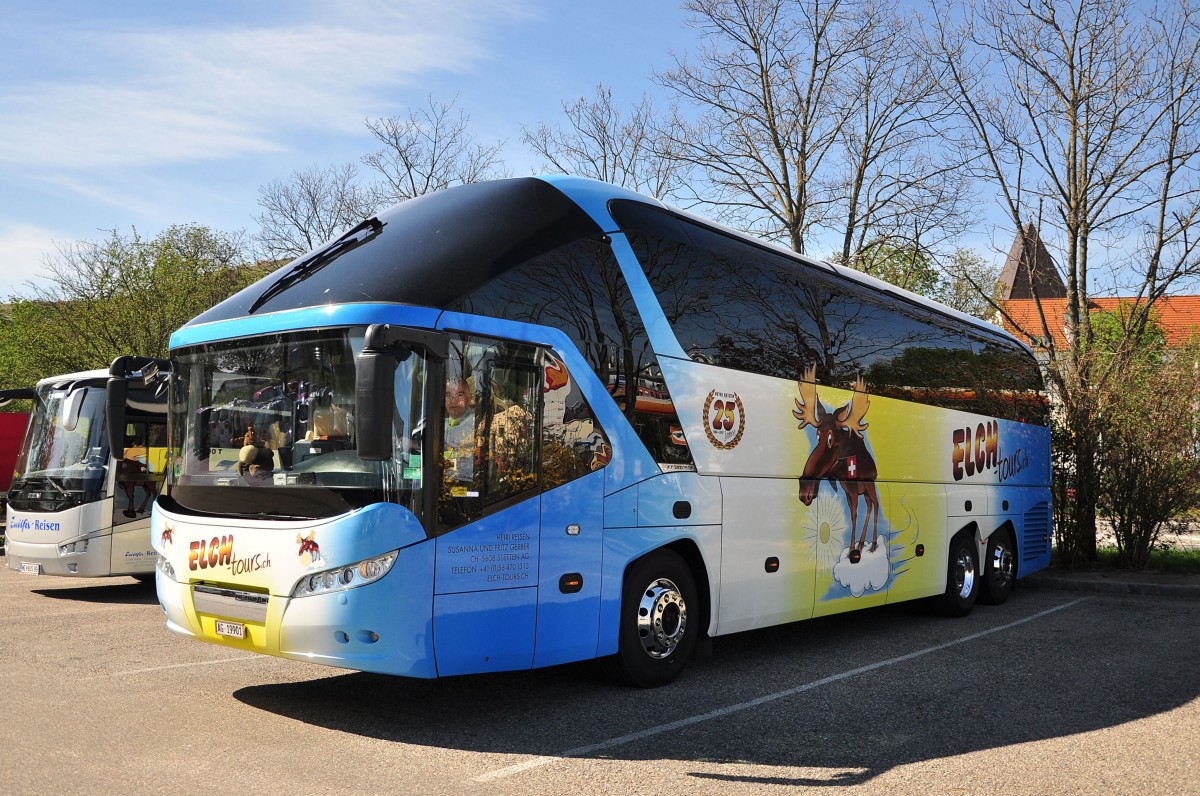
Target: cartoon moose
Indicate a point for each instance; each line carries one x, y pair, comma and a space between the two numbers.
840, 454
309, 545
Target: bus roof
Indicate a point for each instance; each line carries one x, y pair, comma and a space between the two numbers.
67, 378
476, 232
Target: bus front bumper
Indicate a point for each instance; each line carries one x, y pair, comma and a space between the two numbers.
383, 627
55, 558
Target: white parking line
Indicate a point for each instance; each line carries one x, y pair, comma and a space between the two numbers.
580, 751
241, 658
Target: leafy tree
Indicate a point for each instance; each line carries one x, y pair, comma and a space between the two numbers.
910, 268
969, 284
1112, 337
123, 295
1149, 460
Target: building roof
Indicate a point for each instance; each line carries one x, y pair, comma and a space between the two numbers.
1179, 316
1024, 274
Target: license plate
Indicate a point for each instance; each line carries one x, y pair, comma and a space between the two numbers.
231, 629
28, 568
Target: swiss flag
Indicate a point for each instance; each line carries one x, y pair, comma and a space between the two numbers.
852, 466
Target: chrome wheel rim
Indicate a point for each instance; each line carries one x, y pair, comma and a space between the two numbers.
662, 618
964, 573
1002, 564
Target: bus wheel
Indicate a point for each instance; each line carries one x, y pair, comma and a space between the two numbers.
999, 568
657, 635
962, 577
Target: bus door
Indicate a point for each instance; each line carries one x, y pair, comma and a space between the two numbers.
488, 509
568, 620
140, 471
520, 512
141, 467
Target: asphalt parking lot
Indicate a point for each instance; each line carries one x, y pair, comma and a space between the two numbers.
1055, 692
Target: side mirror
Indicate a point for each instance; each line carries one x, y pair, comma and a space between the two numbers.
71, 407
22, 394
374, 399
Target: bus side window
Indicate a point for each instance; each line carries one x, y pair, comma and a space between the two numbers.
573, 443
510, 428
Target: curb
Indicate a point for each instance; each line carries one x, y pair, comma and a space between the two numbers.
1093, 586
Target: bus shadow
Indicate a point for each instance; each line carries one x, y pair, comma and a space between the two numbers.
1019, 687
132, 593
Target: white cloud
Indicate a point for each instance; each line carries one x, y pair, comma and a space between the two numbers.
22, 249
183, 94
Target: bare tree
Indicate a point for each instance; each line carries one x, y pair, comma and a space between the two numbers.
430, 149
312, 207
762, 84
603, 142
897, 182
1087, 110
816, 117
969, 284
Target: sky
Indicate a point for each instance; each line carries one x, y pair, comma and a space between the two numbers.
141, 114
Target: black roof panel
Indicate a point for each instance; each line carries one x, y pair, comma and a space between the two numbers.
431, 250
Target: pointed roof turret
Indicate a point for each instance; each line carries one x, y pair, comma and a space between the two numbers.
1030, 268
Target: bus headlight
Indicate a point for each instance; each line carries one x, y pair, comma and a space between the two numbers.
73, 547
164, 566
349, 576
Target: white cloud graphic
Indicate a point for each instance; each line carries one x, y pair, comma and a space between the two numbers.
869, 574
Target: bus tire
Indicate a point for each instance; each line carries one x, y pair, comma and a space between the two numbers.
657, 633
999, 568
962, 577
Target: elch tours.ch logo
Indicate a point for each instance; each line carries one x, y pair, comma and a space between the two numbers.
978, 451
218, 552
724, 419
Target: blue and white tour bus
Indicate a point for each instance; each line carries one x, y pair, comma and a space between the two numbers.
532, 421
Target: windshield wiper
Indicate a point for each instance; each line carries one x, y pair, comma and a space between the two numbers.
315, 262
61, 489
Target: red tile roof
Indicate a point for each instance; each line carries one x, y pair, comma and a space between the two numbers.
1179, 316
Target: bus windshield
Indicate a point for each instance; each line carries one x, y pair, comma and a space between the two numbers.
265, 426
66, 447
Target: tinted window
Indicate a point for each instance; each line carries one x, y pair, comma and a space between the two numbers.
738, 305
515, 424
489, 437
579, 289
573, 443
736, 309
